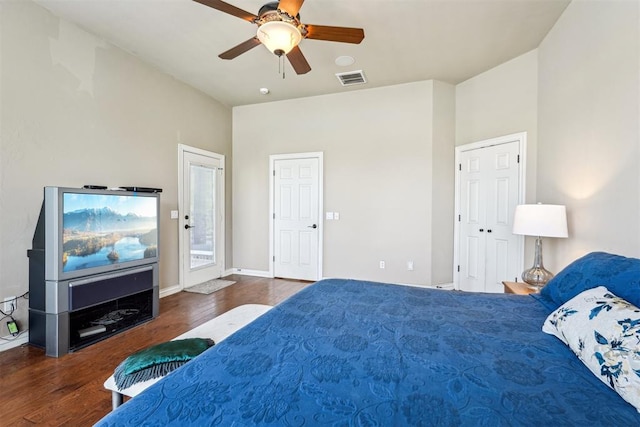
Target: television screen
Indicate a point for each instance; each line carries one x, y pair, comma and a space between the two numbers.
103, 229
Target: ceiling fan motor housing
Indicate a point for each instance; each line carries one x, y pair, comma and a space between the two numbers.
270, 13
273, 7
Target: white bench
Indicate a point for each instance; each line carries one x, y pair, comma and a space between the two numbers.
217, 329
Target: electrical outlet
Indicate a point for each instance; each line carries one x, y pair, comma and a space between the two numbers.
382, 264
410, 265
9, 304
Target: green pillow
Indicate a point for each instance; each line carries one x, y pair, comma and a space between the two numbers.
158, 360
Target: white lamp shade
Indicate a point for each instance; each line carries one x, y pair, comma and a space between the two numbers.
279, 35
540, 220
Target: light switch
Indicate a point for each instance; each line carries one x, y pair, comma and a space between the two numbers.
336, 215
174, 214
329, 215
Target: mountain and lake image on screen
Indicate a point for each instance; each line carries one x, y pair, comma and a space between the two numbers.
101, 229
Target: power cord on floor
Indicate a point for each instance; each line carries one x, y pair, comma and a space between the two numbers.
13, 337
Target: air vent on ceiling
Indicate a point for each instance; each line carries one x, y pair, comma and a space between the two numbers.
351, 78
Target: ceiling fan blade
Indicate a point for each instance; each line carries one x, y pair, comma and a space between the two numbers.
240, 49
298, 61
335, 34
227, 8
292, 7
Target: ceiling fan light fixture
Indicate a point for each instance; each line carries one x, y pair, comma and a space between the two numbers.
279, 37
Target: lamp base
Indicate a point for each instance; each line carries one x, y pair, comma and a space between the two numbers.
536, 277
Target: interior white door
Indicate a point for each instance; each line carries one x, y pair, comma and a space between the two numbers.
202, 217
472, 218
489, 194
296, 218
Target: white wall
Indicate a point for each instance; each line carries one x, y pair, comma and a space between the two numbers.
443, 182
589, 135
75, 111
502, 101
378, 157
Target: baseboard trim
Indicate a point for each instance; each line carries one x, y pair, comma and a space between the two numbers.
170, 291
247, 272
9, 342
445, 286
450, 286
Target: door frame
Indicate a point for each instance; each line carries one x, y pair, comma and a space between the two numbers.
521, 138
182, 148
293, 156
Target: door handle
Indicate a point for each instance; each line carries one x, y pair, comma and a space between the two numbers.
489, 231
312, 226
482, 230
187, 226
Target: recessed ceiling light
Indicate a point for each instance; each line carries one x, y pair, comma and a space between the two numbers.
264, 90
345, 61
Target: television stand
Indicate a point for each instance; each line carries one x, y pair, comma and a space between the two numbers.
65, 316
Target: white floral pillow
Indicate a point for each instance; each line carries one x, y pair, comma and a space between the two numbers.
603, 330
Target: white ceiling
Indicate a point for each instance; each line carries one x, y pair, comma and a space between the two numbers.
405, 41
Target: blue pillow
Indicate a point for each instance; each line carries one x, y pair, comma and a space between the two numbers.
619, 274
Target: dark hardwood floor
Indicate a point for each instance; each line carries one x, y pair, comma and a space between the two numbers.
36, 389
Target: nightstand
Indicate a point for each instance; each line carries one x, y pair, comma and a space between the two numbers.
519, 288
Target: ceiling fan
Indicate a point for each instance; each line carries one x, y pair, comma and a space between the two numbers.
280, 30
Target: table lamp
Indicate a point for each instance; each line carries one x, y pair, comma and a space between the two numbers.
540, 221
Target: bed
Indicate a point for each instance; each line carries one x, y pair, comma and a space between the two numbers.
347, 352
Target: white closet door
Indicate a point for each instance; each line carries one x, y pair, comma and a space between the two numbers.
489, 191
472, 219
296, 218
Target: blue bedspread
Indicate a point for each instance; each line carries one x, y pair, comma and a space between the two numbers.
350, 353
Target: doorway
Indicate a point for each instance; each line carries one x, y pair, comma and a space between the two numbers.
201, 210
296, 216
489, 185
